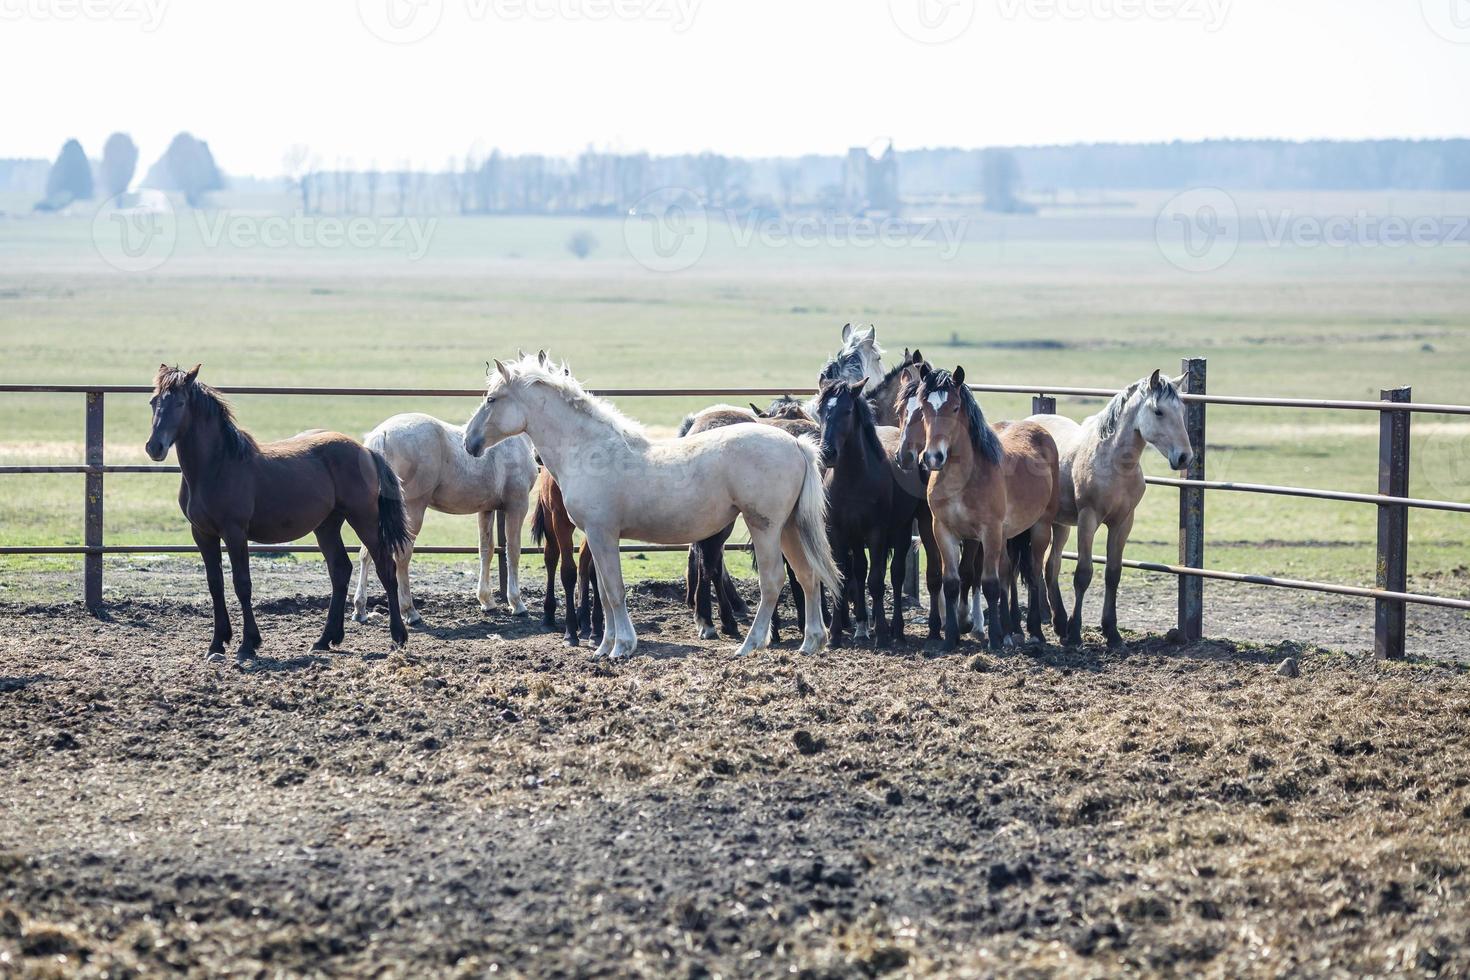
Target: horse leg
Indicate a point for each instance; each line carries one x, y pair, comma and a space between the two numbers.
366, 526
809, 602
951, 553
563, 549
1034, 560
933, 569
732, 594
992, 562
339, 568
1082, 577
620, 640
703, 610
415, 514
214, 574
877, 568
239, 552
591, 612
1113, 571
691, 576
515, 519
861, 629
767, 542
1059, 535
900, 542
971, 619
359, 598
550, 558
714, 566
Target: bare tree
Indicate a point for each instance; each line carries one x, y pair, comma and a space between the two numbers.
371, 180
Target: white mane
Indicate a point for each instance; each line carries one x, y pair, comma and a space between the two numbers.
529, 369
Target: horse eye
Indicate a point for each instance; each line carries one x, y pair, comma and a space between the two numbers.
1159, 412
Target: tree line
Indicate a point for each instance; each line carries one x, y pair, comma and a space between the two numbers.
186, 167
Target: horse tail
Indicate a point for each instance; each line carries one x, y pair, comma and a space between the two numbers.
392, 514
538, 523
686, 425
810, 516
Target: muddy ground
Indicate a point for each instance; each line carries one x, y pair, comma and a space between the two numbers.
489, 801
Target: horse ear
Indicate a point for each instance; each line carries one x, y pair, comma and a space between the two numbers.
1179, 381
757, 411
923, 370
541, 357
846, 332
856, 387
915, 357
959, 375
193, 374
163, 369
1153, 380
504, 371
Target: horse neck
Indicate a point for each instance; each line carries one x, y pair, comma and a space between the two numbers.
560, 431
855, 454
1124, 448
200, 447
964, 466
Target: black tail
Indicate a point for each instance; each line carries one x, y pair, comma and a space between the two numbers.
686, 425
392, 515
1019, 549
538, 524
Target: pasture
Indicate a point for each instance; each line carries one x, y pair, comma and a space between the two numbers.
488, 800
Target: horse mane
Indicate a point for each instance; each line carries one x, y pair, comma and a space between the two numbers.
530, 369
1111, 416
209, 406
867, 428
982, 436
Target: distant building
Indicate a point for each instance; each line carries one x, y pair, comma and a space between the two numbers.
870, 183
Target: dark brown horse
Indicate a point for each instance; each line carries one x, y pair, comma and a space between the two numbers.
239, 490
552, 525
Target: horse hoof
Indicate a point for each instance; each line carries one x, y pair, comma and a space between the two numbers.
708, 633
215, 657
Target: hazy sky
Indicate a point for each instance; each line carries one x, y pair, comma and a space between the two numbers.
750, 77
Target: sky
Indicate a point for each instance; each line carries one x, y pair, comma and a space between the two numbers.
388, 82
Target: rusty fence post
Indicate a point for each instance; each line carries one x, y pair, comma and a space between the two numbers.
1393, 527
1043, 405
1192, 507
92, 506
501, 551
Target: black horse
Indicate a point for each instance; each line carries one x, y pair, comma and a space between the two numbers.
871, 507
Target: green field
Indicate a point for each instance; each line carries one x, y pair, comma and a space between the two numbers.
1091, 294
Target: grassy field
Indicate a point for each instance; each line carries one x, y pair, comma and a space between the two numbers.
1091, 295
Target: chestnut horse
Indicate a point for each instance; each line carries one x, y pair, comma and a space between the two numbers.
553, 525
241, 490
987, 485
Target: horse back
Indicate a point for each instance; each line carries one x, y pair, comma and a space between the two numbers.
1032, 470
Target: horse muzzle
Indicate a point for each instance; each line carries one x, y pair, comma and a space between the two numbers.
934, 462
474, 444
156, 451
1181, 460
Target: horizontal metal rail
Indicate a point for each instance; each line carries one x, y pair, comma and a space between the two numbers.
1311, 494
768, 391
301, 549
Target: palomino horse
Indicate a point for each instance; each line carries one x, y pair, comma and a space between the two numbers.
1102, 484
987, 485
428, 456
617, 482
707, 557
240, 490
871, 505
553, 525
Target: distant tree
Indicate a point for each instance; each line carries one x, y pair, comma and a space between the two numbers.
371, 180
298, 166
186, 166
119, 162
70, 178
999, 178
581, 244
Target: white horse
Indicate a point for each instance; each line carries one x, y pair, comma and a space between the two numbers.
858, 357
616, 483
1102, 484
428, 456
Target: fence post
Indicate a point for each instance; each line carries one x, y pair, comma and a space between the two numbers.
501, 552
1192, 507
1393, 526
92, 506
911, 564
1043, 405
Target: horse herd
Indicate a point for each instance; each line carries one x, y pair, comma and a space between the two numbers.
829, 491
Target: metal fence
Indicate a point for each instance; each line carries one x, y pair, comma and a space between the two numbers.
1393, 502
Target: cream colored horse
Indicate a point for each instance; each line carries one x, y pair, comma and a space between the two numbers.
618, 483
1102, 484
437, 474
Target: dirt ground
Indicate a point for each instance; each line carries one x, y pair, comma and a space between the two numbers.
489, 801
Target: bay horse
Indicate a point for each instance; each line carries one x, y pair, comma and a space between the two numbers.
988, 485
240, 490
617, 482
1102, 484
552, 525
437, 474
707, 557
871, 506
